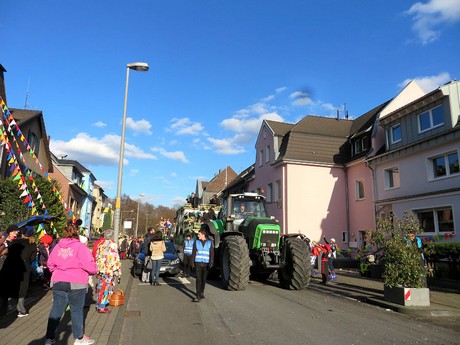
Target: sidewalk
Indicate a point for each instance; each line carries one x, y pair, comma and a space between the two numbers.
351, 285
30, 330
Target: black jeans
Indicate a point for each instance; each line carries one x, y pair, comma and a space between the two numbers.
201, 270
187, 264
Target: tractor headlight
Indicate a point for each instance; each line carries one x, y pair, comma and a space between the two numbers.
175, 262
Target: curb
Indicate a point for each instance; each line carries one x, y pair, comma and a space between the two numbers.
414, 311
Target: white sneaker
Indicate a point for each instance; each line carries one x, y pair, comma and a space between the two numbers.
22, 314
84, 341
50, 341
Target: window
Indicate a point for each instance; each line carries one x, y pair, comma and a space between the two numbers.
437, 220
267, 154
365, 143
359, 192
33, 142
392, 178
430, 119
358, 146
269, 192
277, 190
77, 178
445, 165
261, 157
395, 133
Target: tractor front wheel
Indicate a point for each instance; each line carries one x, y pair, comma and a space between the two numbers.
235, 263
296, 273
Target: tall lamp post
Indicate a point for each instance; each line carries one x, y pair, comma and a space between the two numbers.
137, 66
137, 219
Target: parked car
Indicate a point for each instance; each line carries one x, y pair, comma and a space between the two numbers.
170, 264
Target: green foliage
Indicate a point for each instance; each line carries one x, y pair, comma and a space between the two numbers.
403, 265
15, 211
449, 251
107, 220
51, 200
11, 204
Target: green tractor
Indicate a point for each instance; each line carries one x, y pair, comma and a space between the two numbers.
248, 242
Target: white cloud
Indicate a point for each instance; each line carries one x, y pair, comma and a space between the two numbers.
174, 155
428, 17
281, 89
245, 125
300, 98
99, 124
327, 106
178, 200
428, 83
142, 126
249, 126
184, 126
254, 109
133, 172
268, 98
226, 146
96, 151
173, 174
106, 185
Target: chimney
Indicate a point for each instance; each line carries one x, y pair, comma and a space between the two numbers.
2, 83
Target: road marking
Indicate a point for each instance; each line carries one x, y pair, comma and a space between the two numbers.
182, 281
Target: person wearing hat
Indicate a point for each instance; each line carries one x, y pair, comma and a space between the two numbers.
330, 259
16, 271
44, 250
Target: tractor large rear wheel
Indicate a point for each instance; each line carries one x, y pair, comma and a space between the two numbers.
235, 263
296, 273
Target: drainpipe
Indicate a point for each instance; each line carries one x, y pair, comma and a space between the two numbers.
347, 206
284, 205
374, 190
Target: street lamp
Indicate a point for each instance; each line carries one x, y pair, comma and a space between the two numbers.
137, 219
137, 66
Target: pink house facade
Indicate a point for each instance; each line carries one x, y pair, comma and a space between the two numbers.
333, 177
304, 188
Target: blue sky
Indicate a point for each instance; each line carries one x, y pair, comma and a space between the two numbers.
217, 69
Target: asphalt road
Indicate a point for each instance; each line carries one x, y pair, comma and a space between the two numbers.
267, 315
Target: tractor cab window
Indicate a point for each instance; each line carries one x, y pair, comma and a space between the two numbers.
242, 209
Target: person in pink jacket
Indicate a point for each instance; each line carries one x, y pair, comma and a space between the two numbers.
70, 262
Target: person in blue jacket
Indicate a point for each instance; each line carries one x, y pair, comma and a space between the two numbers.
202, 259
188, 251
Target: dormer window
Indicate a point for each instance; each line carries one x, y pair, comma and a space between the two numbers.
395, 134
358, 146
33, 142
430, 119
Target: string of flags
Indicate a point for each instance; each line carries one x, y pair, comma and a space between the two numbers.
21, 174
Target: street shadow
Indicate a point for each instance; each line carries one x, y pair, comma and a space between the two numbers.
34, 295
64, 331
180, 287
